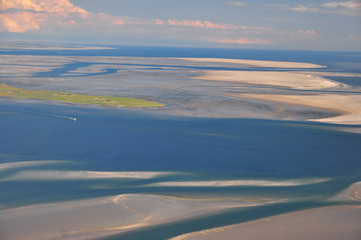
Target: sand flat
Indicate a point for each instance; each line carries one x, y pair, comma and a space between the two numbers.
92, 218
348, 105
352, 193
227, 183
12, 165
340, 222
62, 175
294, 80
257, 63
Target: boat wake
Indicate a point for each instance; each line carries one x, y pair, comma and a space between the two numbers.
45, 115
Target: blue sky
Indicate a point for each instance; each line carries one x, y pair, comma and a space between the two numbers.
311, 25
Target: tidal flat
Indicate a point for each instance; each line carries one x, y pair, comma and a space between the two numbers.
244, 144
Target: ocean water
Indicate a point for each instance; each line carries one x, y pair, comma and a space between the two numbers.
196, 149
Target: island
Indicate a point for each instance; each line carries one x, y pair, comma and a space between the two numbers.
112, 101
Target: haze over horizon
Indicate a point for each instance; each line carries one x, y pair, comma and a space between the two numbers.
311, 25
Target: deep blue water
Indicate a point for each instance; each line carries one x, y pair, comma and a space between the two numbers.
116, 140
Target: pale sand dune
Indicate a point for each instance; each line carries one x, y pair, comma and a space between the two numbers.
272, 78
349, 106
264, 183
62, 175
328, 223
257, 63
88, 219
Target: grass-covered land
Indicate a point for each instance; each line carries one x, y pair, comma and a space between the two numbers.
8, 91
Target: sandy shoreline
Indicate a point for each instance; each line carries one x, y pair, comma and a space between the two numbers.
294, 80
352, 193
63, 175
339, 222
348, 105
13, 165
225, 183
94, 218
257, 63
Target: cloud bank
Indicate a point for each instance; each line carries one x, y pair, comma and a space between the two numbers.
57, 6
61, 18
352, 7
246, 41
238, 4
28, 15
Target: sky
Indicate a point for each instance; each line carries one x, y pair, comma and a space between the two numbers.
257, 24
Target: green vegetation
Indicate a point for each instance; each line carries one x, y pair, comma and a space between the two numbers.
8, 91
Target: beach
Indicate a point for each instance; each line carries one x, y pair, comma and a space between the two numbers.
341, 222
95, 218
256, 63
347, 105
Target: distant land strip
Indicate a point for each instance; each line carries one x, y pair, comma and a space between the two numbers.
14, 92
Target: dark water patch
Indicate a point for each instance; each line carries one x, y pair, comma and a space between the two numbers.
353, 81
56, 72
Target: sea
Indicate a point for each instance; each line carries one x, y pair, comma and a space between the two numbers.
192, 148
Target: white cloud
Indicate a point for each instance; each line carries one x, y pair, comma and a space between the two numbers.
33, 15
196, 23
245, 41
239, 4
58, 6
348, 4
62, 18
351, 8
307, 32
304, 8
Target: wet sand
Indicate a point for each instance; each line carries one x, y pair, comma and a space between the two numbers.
340, 222
64, 175
224, 183
257, 63
348, 105
280, 79
94, 218
352, 193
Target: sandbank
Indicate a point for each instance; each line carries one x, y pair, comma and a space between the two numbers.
348, 105
256, 63
340, 222
352, 193
92, 218
294, 80
263, 183
12, 165
63, 175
